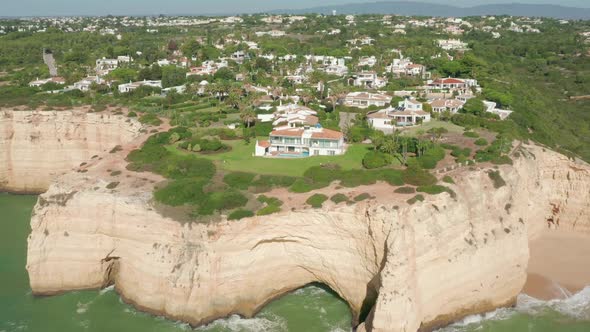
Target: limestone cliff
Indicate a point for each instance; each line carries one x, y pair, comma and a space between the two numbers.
409, 267
37, 146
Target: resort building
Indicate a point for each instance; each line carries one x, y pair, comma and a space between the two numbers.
302, 142
366, 99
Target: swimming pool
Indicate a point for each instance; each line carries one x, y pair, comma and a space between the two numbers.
291, 155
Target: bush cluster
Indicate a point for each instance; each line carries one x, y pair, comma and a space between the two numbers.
240, 214
376, 159
316, 200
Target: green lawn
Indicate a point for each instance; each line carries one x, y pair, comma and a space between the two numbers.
241, 158
452, 128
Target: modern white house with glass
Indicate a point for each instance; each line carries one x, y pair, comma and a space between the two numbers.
302, 142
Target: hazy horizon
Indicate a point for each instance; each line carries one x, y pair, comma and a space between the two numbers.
196, 7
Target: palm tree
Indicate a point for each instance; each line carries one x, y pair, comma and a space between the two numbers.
334, 93
248, 117
306, 96
390, 145
377, 138
422, 146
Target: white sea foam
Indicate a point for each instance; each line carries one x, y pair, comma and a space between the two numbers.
82, 307
235, 323
106, 290
339, 329
576, 306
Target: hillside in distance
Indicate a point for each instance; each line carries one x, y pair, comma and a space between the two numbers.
411, 8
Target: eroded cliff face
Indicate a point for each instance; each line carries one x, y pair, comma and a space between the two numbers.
37, 146
411, 267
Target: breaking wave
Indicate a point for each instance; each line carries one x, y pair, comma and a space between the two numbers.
576, 307
235, 323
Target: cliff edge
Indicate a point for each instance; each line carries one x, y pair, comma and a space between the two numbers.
38, 146
400, 267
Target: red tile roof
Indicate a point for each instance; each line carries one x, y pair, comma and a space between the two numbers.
327, 134
264, 144
448, 81
288, 132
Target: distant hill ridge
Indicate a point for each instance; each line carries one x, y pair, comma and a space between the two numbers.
411, 8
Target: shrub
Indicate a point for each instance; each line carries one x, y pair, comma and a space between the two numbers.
497, 179
502, 160
431, 157
112, 185
115, 173
417, 198
240, 214
405, 190
270, 200
222, 200
339, 198
481, 142
448, 179
417, 176
239, 180
267, 182
180, 192
316, 200
392, 176
116, 149
269, 209
304, 186
432, 189
150, 119
471, 134
375, 159
361, 197
132, 114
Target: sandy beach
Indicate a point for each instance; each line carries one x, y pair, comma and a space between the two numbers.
559, 265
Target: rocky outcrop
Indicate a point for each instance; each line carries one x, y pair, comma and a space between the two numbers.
37, 146
402, 267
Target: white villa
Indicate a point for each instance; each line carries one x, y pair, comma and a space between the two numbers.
369, 61
491, 108
53, 79
131, 86
409, 113
452, 84
388, 119
442, 105
366, 99
369, 79
452, 44
290, 116
104, 65
85, 83
302, 142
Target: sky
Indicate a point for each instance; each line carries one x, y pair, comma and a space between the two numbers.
196, 7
